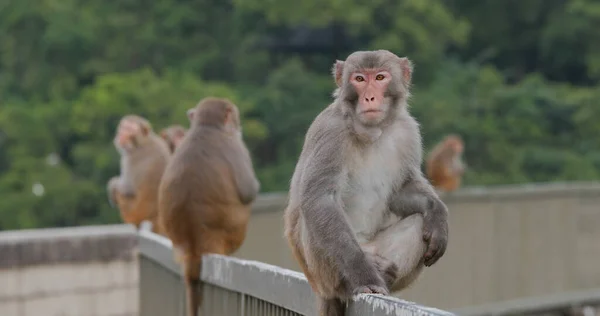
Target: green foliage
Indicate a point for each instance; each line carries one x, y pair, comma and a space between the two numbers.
518, 80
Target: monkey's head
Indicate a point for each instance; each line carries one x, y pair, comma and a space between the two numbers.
216, 112
455, 143
132, 132
173, 135
373, 84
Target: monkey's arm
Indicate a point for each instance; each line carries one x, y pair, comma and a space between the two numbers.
329, 234
459, 166
245, 179
416, 195
111, 190
127, 204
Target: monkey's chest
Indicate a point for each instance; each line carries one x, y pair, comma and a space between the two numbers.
365, 197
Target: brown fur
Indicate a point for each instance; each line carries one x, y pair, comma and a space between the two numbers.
173, 135
361, 216
144, 157
444, 166
207, 190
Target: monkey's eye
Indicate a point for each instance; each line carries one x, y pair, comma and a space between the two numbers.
379, 77
359, 78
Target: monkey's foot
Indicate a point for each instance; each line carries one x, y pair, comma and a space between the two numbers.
370, 289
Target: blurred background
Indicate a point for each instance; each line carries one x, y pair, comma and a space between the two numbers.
518, 80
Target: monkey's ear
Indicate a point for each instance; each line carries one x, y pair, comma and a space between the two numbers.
145, 129
228, 116
338, 70
190, 114
163, 134
407, 69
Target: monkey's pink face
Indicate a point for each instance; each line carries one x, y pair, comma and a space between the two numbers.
371, 85
178, 139
456, 146
126, 133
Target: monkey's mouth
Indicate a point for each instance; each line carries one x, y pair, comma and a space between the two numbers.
371, 113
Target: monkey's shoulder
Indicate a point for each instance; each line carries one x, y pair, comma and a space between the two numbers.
328, 127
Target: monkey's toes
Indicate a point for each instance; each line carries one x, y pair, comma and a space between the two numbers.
371, 289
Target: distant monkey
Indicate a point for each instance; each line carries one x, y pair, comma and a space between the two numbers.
173, 135
444, 166
361, 216
144, 157
207, 190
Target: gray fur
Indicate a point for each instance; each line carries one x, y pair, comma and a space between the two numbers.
361, 216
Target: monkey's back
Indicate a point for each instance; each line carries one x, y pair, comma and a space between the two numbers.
199, 207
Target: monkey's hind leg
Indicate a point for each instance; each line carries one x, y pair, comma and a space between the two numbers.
331, 307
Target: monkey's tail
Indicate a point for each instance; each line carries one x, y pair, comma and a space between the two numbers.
193, 288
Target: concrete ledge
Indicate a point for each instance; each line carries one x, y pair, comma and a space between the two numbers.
83, 244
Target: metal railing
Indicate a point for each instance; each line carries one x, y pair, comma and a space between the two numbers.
233, 287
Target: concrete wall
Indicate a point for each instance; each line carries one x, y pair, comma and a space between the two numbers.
84, 271
505, 243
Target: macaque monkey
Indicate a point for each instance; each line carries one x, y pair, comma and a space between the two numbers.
444, 166
144, 158
207, 190
173, 135
361, 216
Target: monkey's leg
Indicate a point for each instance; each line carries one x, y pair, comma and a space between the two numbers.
401, 244
126, 206
331, 307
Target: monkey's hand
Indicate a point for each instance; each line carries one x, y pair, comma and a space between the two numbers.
435, 232
111, 188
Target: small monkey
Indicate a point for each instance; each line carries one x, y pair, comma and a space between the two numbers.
144, 157
173, 135
207, 190
444, 166
361, 216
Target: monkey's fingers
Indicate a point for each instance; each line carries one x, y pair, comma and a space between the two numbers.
371, 289
435, 250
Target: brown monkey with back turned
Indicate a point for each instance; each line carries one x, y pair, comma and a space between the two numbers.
361, 216
444, 166
144, 157
173, 135
207, 189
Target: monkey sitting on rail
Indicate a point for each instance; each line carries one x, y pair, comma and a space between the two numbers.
144, 157
444, 166
207, 190
361, 216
